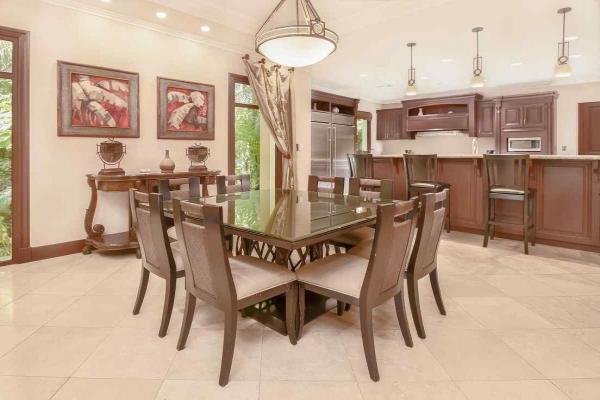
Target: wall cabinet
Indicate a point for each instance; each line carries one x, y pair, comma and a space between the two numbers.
486, 118
390, 124
589, 128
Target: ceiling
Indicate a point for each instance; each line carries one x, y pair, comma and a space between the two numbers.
518, 44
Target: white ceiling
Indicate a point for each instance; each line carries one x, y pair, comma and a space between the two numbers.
374, 33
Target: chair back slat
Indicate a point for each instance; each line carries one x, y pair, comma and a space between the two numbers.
361, 165
507, 171
166, 187
371, 188
394, 232
150, 226
206, 262
326, 184
430, 225
420, 168
233, 184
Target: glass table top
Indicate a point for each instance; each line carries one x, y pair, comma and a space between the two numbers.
291, 215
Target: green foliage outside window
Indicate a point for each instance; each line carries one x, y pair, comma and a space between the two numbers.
5, 153
361, 135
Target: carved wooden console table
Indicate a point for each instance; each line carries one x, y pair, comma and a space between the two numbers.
147, 182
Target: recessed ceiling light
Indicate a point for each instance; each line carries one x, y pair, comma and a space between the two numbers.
363, 75
447, 60
205, 28
571, 38
106, 1
424, 78
575, 56
161, 14
516, 64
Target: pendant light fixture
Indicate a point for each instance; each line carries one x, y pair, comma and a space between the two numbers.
563, 69
303, 42
411, 89
477, 80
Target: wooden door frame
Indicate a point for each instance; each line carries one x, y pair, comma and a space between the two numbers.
21, 250
233, 79
582, 142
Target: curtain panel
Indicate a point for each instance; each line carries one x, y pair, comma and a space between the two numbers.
273, 88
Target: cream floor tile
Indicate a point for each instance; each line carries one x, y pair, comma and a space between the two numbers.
73, 283
55, 266
316, 357
530, 264
52, 351
589, 336
590, 301
309, 391
130, 353
466, 266
34, 309
502, 313
6, 299
580, 389
19, 284
577, 267
105, 389
520, 285
564, 312
468, 286
28, 388
478, 355
410, 391
201, 358
512, 390
207, 390
570, 284
125, 281
554, 352
10, 336
94, 311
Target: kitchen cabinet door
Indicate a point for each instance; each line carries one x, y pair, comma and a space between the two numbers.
389, 124
511, 116
486, 118
535, 116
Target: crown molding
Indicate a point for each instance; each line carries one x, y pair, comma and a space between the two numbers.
143, 24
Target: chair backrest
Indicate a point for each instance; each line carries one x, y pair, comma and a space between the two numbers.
361, 165
394, 232
206, 262
420, 168
149, 223
233, 184
507, 171
166, 187
333, 185
371, 188
430, 225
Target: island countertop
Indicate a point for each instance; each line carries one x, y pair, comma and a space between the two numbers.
533, 156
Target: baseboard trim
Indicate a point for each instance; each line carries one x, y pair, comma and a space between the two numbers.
55, 250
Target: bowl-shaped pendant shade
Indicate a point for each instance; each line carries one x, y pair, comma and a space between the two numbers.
296, 46
562, 70
411, 90
477, 81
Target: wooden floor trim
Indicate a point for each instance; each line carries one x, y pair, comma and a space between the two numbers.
56, 250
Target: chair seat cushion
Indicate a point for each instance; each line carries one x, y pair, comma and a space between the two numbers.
341, 273
252, 275
423, 184
356, 236
177, 256
172, 233
363, 249
506, 190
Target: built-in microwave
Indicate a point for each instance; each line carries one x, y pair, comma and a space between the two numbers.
524, 145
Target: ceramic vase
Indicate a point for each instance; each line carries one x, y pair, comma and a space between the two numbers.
167, 165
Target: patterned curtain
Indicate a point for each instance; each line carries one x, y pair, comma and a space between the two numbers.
272, 86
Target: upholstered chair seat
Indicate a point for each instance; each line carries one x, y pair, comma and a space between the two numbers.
172, 233
423, 184
341, 273
505, 190
177, 257
352, 238
252, 275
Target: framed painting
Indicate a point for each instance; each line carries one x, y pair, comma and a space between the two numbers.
97, 102
186, 110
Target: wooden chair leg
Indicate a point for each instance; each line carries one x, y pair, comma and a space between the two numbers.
402, 320
493, 218
415, 307
141, 291
188, 316
340, 308
167, 305
437, 293
533, 220
229, 334
301, 310
291, 308
348, 306
486, 234
366, 328
526, 225
447, 205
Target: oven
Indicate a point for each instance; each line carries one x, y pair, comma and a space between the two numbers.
524, 144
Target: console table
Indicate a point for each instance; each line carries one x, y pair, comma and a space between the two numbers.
147, 182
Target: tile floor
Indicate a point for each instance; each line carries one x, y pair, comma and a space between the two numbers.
518, 327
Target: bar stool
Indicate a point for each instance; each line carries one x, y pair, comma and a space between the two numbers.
361, 165
420, 176
508, 179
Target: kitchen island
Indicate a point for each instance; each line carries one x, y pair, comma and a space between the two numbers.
567, 196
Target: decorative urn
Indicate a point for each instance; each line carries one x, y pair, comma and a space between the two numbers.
111, 152
197, 154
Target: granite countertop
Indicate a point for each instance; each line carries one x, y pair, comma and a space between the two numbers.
533, 156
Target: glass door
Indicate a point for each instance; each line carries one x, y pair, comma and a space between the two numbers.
363, 132
7, 76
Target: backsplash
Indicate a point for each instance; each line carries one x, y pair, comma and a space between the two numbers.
441, 142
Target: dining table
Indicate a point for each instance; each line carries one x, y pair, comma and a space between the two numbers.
284, 222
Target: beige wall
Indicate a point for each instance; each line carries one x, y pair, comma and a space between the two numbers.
59, 194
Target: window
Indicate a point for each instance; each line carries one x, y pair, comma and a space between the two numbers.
6, 110
244, 130
363, 131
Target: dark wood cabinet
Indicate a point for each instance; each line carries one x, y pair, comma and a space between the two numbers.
391, 168
486, 118
511, 116
534, 116
390, 124
589, 128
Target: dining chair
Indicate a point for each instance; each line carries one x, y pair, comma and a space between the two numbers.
228, 283
367, 283
159, 255
423, 260
361, 165
233, 184
171, 189
326, 184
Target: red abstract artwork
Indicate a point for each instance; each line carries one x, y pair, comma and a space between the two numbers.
99, 102
187, 110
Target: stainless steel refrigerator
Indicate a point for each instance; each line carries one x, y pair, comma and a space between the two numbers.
332, 138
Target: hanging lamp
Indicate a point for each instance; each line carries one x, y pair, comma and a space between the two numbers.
411, 89
563, 69
304, 42
477, 81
